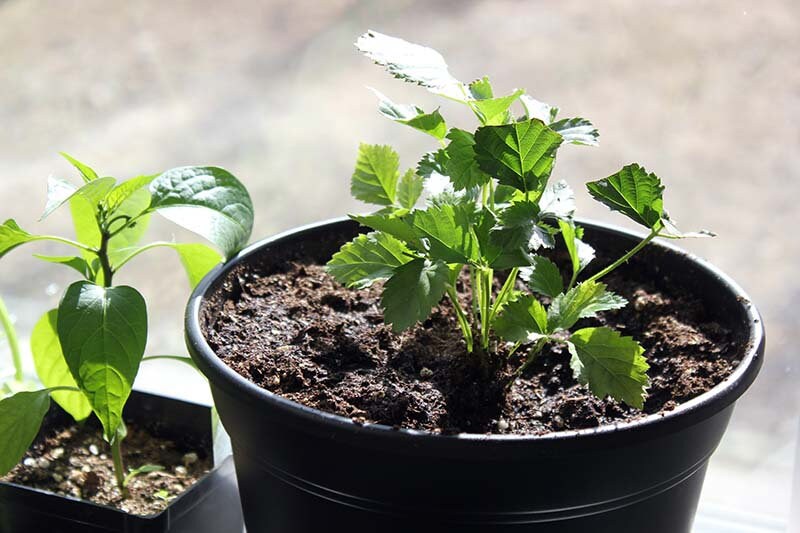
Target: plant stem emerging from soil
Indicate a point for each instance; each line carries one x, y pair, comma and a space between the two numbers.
13, 342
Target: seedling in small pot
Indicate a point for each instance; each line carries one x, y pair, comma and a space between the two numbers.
87, 352
490, 208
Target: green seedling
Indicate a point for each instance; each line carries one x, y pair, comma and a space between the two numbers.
491, 207
87, 352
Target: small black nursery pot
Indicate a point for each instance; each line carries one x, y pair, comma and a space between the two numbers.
210, 506
303, 470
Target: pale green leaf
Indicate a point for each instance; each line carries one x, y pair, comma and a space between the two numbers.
431, 123
522, 320
366, 259
481, 89
557, 201
409, 189
412, 291
86, 171
576, 131
21, 416
461, 165
59, 193
412, 63
633, 192
536, 109
103, 333
209, 201
610, 364
494, 111
51, 366
582, 301
11, 236
119, 194
375, 178
520, 155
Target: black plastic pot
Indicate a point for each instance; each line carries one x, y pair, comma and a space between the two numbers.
302, 470
210, 506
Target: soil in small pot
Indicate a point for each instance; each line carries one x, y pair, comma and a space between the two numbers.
75, 461
289, 327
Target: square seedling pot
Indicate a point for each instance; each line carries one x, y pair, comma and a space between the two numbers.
211, 505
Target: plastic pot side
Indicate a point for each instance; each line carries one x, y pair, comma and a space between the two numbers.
301, 469
209, 506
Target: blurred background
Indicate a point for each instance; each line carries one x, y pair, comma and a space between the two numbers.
705, 94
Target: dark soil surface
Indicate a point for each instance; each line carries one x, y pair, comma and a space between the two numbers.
293, 330
75, 461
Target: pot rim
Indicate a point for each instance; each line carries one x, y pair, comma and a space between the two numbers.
703, 406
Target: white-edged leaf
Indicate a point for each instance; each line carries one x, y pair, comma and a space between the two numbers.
576, 131
557, 200
536, 109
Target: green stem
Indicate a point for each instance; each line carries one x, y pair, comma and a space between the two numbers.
610, 268
491, 194
487, 276
462, 318
119, 467
505, 291
138, 251
476, 295
105, 262
62, 240
13, 342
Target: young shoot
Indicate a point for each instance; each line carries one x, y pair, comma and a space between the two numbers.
491, 207
88, 350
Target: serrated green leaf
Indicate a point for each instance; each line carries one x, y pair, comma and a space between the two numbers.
11, 236
366, 259
77, 263
86, 171
501, 248
398, 227
103, 333
520, 155
536, 109
610, 364
495, 110
576, 131
21, 417
412, 291
522, 320
51, 366
580, 253
432, 164
59, 192
545, 278
557, 201
522, 213
481, 89
412, 63
209, 201
582, 301
632, 192
375, 178
409, 189
448, 231
461, 166
431, 123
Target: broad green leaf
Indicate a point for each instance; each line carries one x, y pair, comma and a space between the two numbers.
461, 166
633, 192
536, 109
412, 63
133, 205
209, 201
501, 247
580, 253
545, 278
576, 131
395, 226
522, 320
52, 369
610, 364
412, 291
409, 189
557, 201
197, 260
21, 416
447, 230
12, 386
59, 192
124, 190
520, 155
481, 89
86, 171
432, 164
103, 333
582, 301
495, 110
375, 177
77, 263
522, 213
431, 123
11, 236
366, 259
